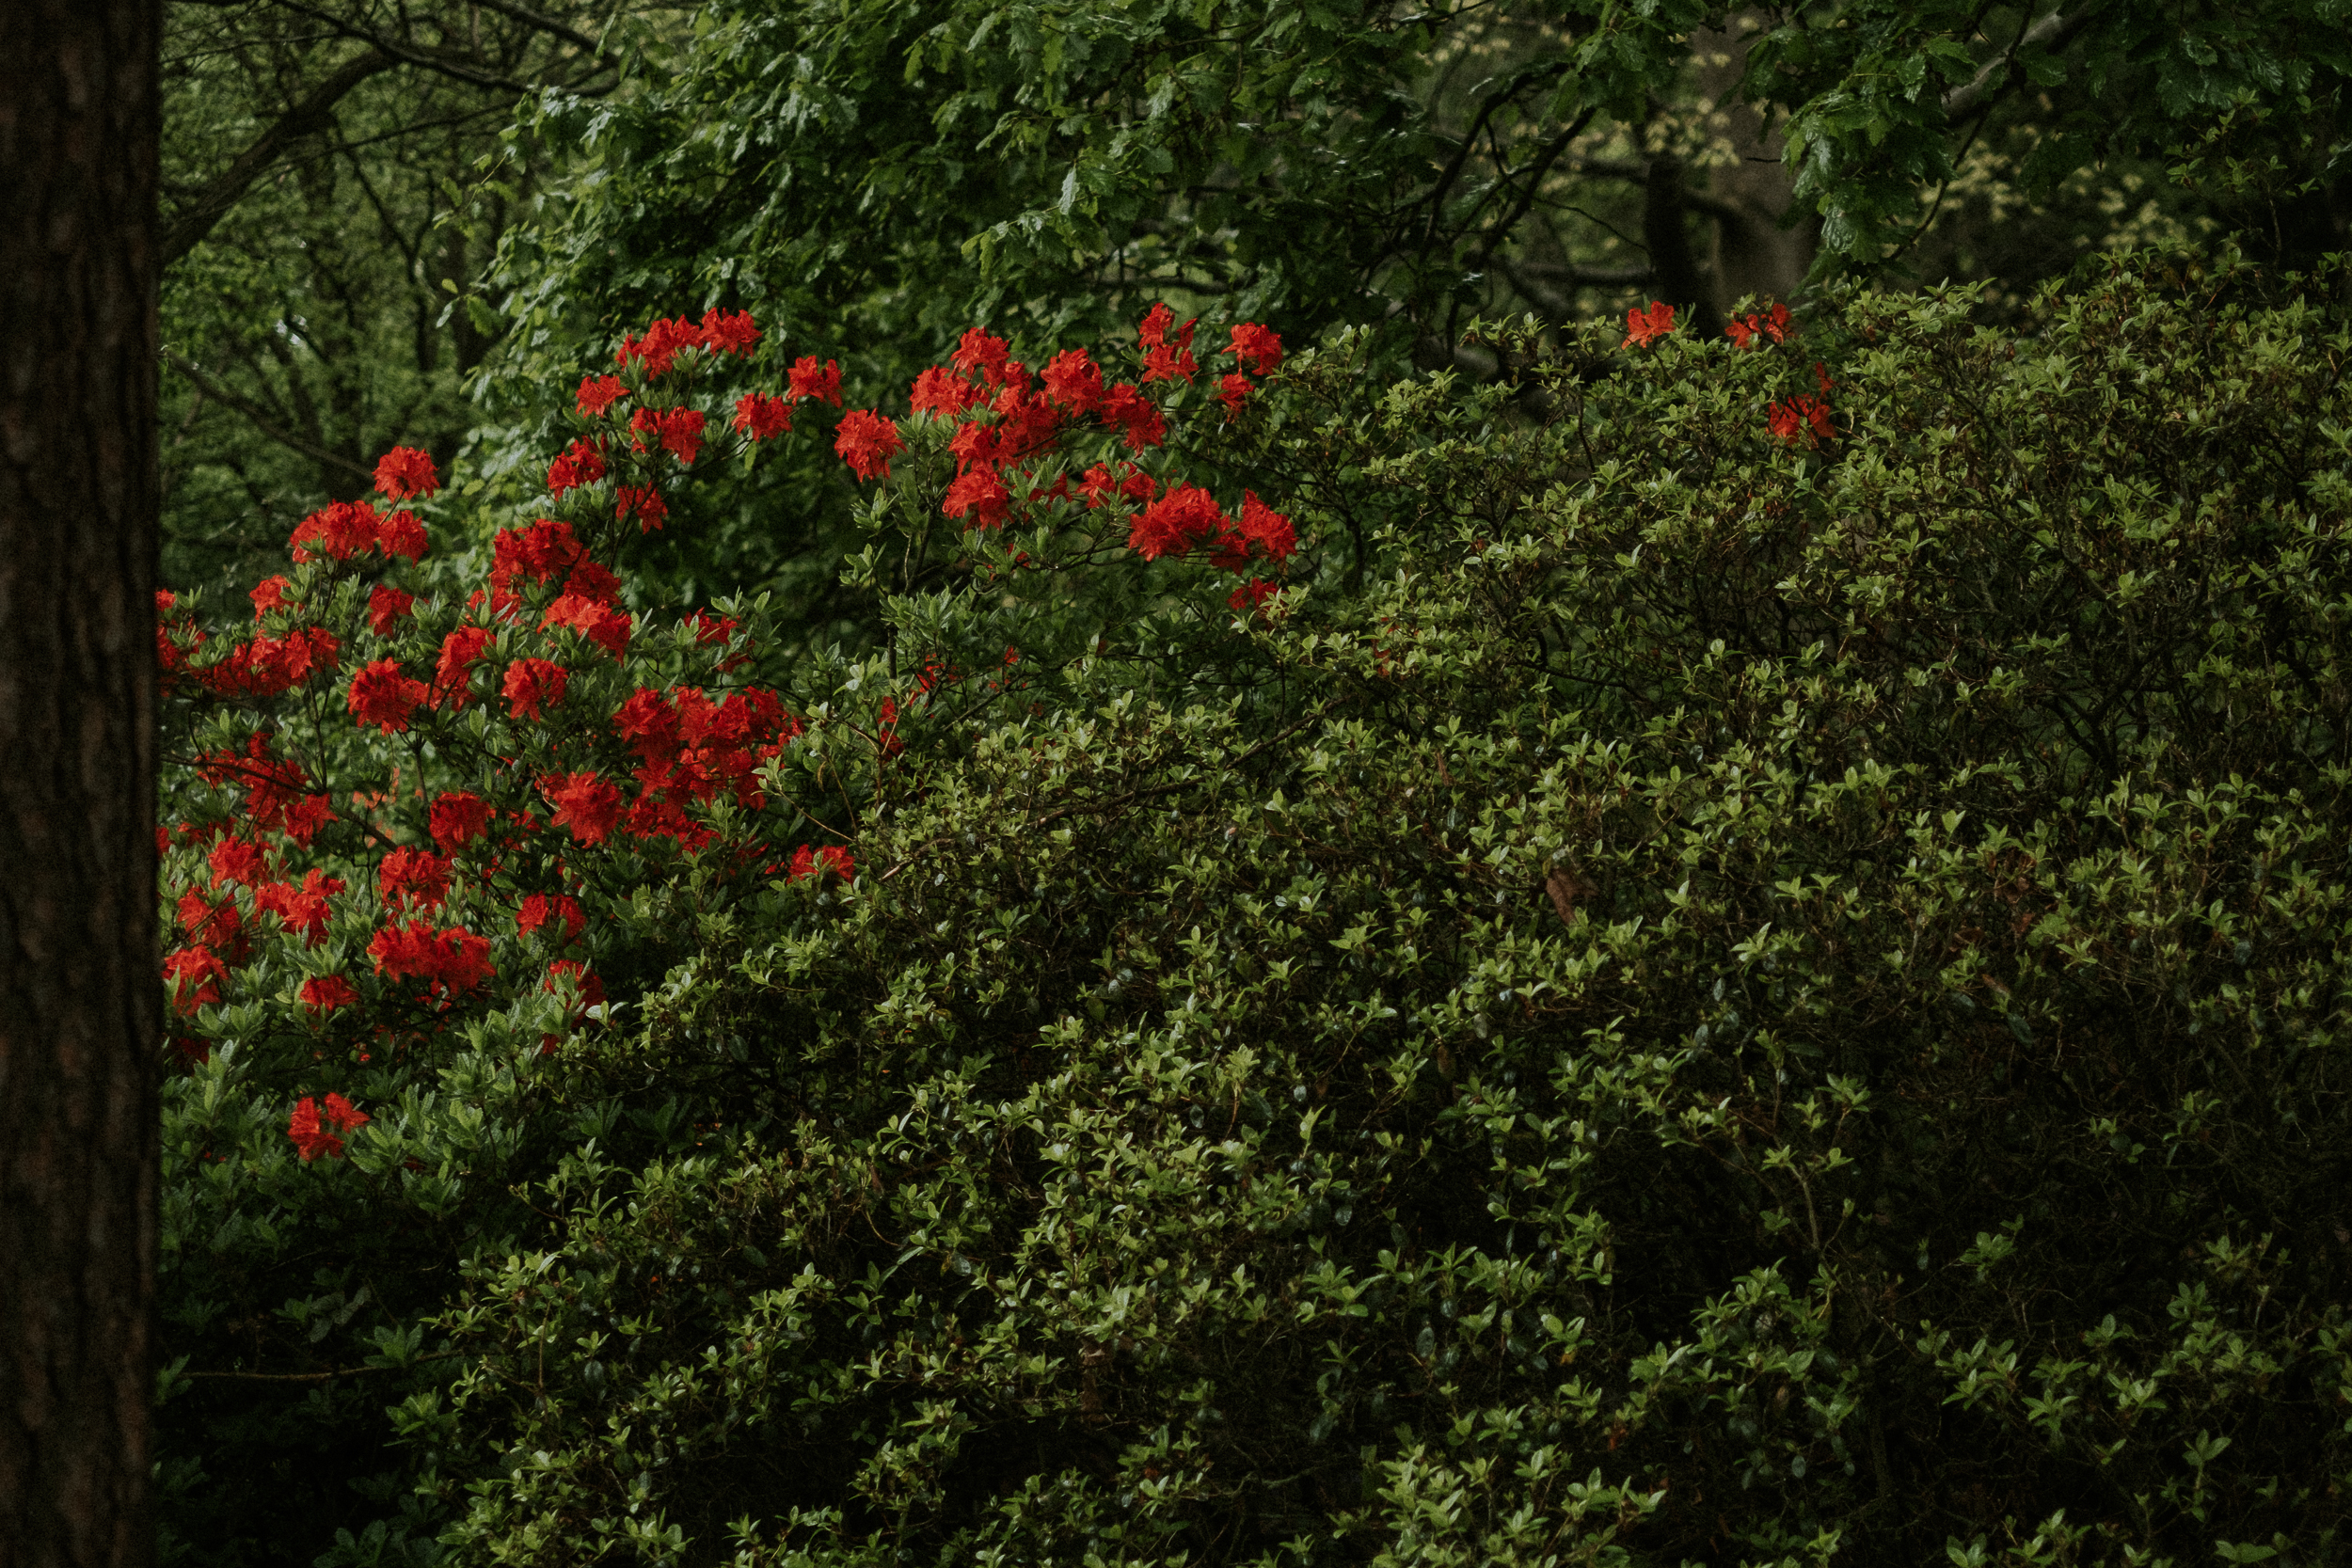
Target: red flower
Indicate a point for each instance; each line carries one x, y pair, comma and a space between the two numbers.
195, 976
268, 594
402, 534
461, 650
314, 1140
761, 415
1233, 391
604, 625
587, 803
1245, 599
1801, 419
532, 685
324, 993
233, 860
1168, 362
866, 441
664, 341
413, 877
1267, 529
452, 960
458, 820
1256, 347
1152, 329
582, 463
982, 353
810, 380
382, 696
1138, 419
404, 472
1074, 380
1185, 518
943, 394
342, 530
301, 908
598, 393
387, 606
649, 724
538, 909
730, 332
807, 862
645, 501
1644, 327
979, 492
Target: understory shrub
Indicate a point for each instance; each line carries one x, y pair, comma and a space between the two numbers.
1747, 966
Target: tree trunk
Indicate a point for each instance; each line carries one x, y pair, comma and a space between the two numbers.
1753, 254
80, 994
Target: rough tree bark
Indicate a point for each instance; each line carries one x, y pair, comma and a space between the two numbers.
80, 999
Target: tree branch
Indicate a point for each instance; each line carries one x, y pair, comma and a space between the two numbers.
2054, 31
261, 420
306, 118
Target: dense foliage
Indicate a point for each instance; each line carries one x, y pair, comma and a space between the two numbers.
1748, 966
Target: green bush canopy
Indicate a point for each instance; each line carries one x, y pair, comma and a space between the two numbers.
1755, 972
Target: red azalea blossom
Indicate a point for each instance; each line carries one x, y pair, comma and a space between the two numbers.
1074, 380
404, 472
1249, 596
761, 415
659, 349
982, 353
300, 910
587, 803
235, 860
461, 650
1267, 529
730, 332
1257, 347
866, 441
387, 608
604, 625
644, 501
810, 380
598, 393
808, 862
382, 696
1138, 417
268, 594
943, 394
324, 993
1644, 327
458, 819
311, 1138
538, 909
582, 463
682, 434
1168, 362
981, 494
193, 976
534, 685
1233, 391
1804, 418
412, 876
1185, 517
451, 960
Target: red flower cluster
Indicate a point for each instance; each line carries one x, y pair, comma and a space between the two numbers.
404, 472
382, 696
415, 878
689, 747
719, 332
826, 859
866, 441
1644, 327
451, 962
1187, 521
345, 529
311, 1138
1774, 324
582, 463
1801, 419
300, 910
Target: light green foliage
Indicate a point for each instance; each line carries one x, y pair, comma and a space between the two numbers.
1742, 1002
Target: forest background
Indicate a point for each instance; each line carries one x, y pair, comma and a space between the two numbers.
1439, 1184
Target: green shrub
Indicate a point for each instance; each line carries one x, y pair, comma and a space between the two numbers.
1742, 1002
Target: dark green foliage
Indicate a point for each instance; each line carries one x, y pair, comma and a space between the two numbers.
1742, 1003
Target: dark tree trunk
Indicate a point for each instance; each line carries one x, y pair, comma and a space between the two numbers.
80, 995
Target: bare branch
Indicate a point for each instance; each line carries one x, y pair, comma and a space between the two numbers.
2001, 73
262, 421
307, 118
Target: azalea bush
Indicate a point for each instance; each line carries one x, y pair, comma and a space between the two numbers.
429, 814
1766, 993
1714, 951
